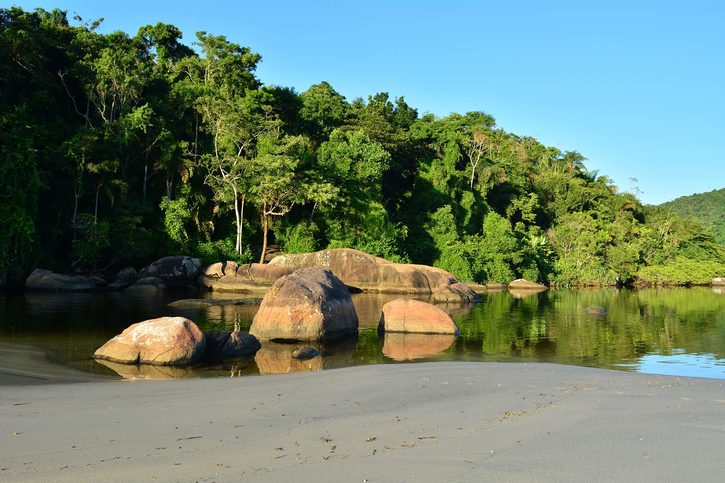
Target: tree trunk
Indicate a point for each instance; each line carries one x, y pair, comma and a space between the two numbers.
240, 228
145, 181
169, 187
264, 234
75, 206
95, 211
238, 244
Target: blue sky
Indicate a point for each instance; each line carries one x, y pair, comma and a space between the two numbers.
638, 87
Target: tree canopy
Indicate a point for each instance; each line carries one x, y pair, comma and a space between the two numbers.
119, 148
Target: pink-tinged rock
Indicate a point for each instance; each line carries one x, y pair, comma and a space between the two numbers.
166, 341
310, 304
373, 274
523, 284
416, 317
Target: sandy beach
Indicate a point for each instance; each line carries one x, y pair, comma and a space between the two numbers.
413, 422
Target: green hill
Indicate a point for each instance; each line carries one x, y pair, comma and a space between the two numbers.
709, 208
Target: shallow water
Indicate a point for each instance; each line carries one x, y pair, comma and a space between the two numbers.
660, 331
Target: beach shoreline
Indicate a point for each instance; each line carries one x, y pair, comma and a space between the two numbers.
442, 421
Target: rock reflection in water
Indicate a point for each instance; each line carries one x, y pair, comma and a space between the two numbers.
147, 371
276, 358
409, 347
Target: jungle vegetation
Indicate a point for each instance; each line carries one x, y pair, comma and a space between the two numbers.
119, 148
706, 208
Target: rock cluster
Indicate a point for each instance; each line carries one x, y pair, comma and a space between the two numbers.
367, 273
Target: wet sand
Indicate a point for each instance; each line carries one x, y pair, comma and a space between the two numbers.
440, 421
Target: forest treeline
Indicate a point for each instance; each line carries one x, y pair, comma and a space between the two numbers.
708, 208
120, 148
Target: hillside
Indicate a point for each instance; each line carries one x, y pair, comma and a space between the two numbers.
708, 207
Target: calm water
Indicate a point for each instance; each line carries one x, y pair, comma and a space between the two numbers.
660, 331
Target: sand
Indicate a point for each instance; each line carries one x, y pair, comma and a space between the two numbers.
455, 421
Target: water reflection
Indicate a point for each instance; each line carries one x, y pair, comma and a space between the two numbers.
276, 358
409, 347
553, 326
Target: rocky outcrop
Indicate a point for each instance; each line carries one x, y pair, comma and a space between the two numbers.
416, 317
364, 272
409, 347
718, 282
46, 280
229, 345
176, 271
148, 283
249, 277
124, 278
310, 304
166, 341
523, 284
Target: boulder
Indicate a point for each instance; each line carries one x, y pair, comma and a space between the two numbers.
409, 347
364, 272
46, 280
414, 316
124, 278
166, 341
309, 304
523, 284
176, 271
495, 287
229, 345
250, 277
152, 283
718, 281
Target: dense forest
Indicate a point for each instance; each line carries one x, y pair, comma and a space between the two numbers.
706, 208
120, 148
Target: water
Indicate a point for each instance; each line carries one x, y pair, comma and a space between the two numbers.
658, 331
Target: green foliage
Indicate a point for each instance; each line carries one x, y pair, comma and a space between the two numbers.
707, 208
92, 239
120, 148
300, 237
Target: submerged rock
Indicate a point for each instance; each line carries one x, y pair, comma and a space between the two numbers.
305, 352
197, 303
596, 310
166, 341
414, 316
310, 304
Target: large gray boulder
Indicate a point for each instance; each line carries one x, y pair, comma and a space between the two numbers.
176, 271
310, 304
165, 341
46, 280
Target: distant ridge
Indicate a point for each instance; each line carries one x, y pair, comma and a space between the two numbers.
708, 207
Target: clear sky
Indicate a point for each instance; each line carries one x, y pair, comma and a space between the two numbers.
638, 87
